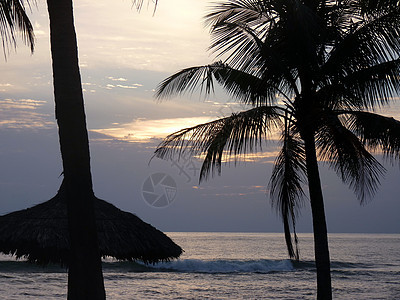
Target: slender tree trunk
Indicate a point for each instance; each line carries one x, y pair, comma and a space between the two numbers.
321, 249
85, 278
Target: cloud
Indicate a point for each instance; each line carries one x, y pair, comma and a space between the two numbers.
117, 79
133, 86
21, 113
3, 86
231, 191
7, 104
126, 86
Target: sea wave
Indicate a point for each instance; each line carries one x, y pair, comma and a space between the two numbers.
180, 265
198, 266
225, 266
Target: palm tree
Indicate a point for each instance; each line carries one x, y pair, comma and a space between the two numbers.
85, 275
13, 18
85, 278
314, 71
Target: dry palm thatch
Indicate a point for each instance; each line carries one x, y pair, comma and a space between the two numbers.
40, 234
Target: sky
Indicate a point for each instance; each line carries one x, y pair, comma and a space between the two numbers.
123, 56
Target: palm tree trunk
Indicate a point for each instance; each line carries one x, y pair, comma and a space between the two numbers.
322, 260
85, 278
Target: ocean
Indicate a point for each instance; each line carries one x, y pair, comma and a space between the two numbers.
230, 266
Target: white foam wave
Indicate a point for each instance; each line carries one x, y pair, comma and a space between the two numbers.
226, 266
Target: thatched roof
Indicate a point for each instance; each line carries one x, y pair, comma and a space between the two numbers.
40, 234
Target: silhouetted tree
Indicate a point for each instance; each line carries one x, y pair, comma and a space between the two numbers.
313, 70
85, 278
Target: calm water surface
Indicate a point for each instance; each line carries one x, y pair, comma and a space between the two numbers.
230, 266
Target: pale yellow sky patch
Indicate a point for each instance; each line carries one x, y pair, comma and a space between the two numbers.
142, 129
266, 156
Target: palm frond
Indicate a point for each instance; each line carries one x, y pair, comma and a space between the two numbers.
286, 190
139, 4
235, 135
254, 13
236, 30
13, 18
364, 89
345, 153
187, 80
376, 131
375, 85
245, 87
373, 42
252, 37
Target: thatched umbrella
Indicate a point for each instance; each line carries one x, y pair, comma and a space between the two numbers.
40, 234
